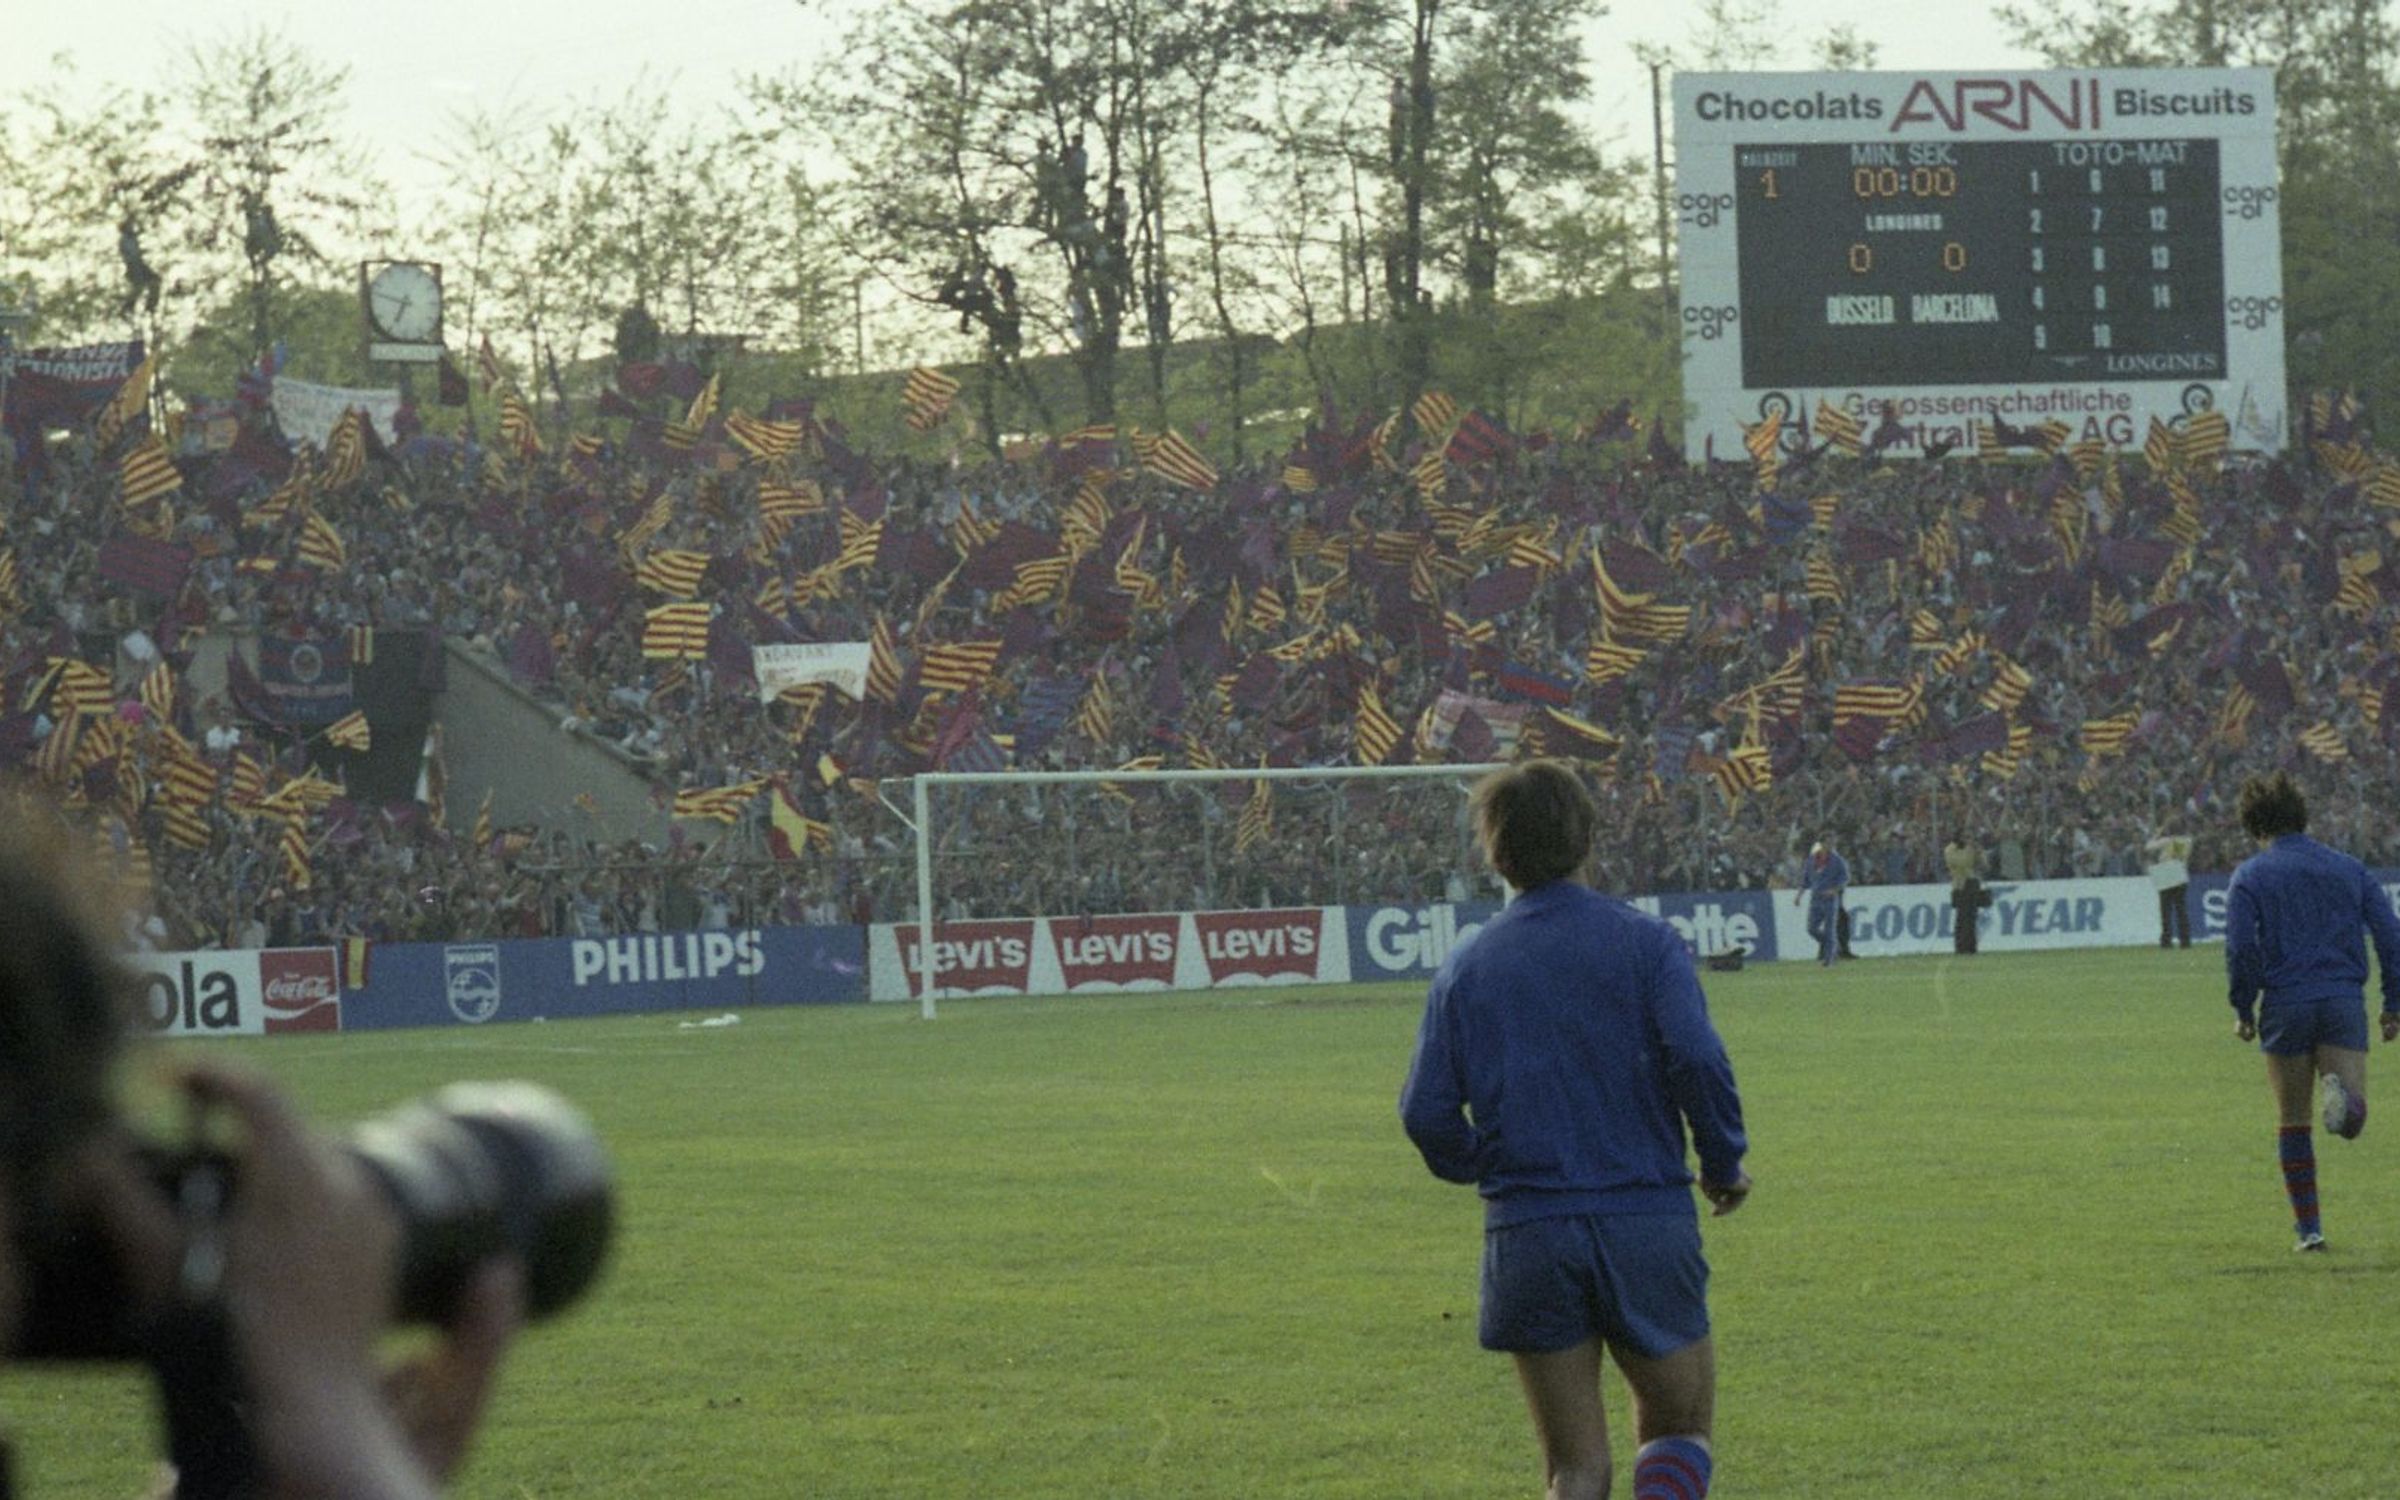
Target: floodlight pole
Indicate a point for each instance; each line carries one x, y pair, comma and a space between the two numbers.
922, 785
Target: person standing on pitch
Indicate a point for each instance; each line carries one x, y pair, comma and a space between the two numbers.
2171, 875
2299, 972
1822, 882
1562, 1053
1965, 864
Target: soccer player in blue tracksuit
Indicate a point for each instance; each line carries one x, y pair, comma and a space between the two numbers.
1822, 882
1562, 1052
2292, 917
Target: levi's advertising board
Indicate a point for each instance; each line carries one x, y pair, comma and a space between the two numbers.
238, 992
451, 984
2207, 897
1113, 954
1886, 920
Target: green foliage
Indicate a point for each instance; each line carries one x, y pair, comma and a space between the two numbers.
1177, 1246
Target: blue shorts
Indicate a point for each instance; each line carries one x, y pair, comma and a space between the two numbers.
2295, 1028
1635, 1280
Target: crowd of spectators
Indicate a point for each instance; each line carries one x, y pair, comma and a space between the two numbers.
2180, 604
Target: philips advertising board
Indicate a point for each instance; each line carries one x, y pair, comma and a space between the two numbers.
451, 984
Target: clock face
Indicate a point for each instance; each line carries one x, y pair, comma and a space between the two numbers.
404, 300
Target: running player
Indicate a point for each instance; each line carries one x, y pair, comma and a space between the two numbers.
1562, 1053
2298, 973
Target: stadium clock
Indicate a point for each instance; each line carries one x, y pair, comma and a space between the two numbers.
402, 300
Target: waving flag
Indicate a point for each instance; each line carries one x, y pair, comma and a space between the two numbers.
676, 632
1375, 734
925, 397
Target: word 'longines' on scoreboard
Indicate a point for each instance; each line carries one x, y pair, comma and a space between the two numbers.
1943, 250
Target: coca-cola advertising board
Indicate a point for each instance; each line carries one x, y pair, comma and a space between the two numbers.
243, 992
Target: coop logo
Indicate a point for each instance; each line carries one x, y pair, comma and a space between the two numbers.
1404, 940
1710, 322
197, 994
471, 981
1116, 951
653, 958
2249, 202
1260, 944
1706, 927
970, 955
2253, 313
299, 990
1702, 210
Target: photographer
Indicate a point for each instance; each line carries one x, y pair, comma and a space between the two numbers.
281, 1299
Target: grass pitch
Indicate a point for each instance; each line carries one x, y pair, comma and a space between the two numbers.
2018, 1230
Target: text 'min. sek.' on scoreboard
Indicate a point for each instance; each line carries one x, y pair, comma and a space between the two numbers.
2096, 247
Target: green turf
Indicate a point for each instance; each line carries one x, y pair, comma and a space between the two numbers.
2018, 1230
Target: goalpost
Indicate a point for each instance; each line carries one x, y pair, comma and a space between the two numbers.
924, 785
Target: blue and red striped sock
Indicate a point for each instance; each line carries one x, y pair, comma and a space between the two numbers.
1671, 1468
2299, 1157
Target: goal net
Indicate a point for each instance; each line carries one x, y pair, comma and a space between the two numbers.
1067, 881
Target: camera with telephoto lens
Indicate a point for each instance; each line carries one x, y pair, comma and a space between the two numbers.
473, 1171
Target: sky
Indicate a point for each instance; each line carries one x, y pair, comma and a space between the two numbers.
415, 63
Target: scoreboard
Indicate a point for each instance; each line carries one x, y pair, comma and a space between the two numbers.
2098, 247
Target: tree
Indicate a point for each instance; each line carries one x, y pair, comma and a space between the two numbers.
276, 184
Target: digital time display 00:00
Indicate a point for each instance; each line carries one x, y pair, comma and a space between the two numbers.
1965, 262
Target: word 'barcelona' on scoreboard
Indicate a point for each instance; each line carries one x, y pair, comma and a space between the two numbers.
2099, 248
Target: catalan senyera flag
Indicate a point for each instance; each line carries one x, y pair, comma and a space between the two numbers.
482, 833
518, 430
2159, 447
346, 450
704, 405
883, 662
292, 844
351, 732
2203, 441
1375, 734
1846, 433
676, 632
1572, 738
925, 397
184, 827
158, 692
1299, 479
1257, 823
146, 473
1172, 457
1824, 579
2009, 685
861, 540
957, 666
789, 500
130, 401
1435, 413
1095, 717
1606, 661
2107, 736
1747, 769
1432, 475
717, 804
764, 440
1925, 631
1037, 581
791, 832
2051, 435
969, 530
673, 573
321, 546
1633, 616
2003, 763
2324, 742
1893, 702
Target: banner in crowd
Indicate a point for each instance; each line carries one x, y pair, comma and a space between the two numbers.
238, 992
1113, 954
534, 979
305, 410
55, 388
306, 678
842, 663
